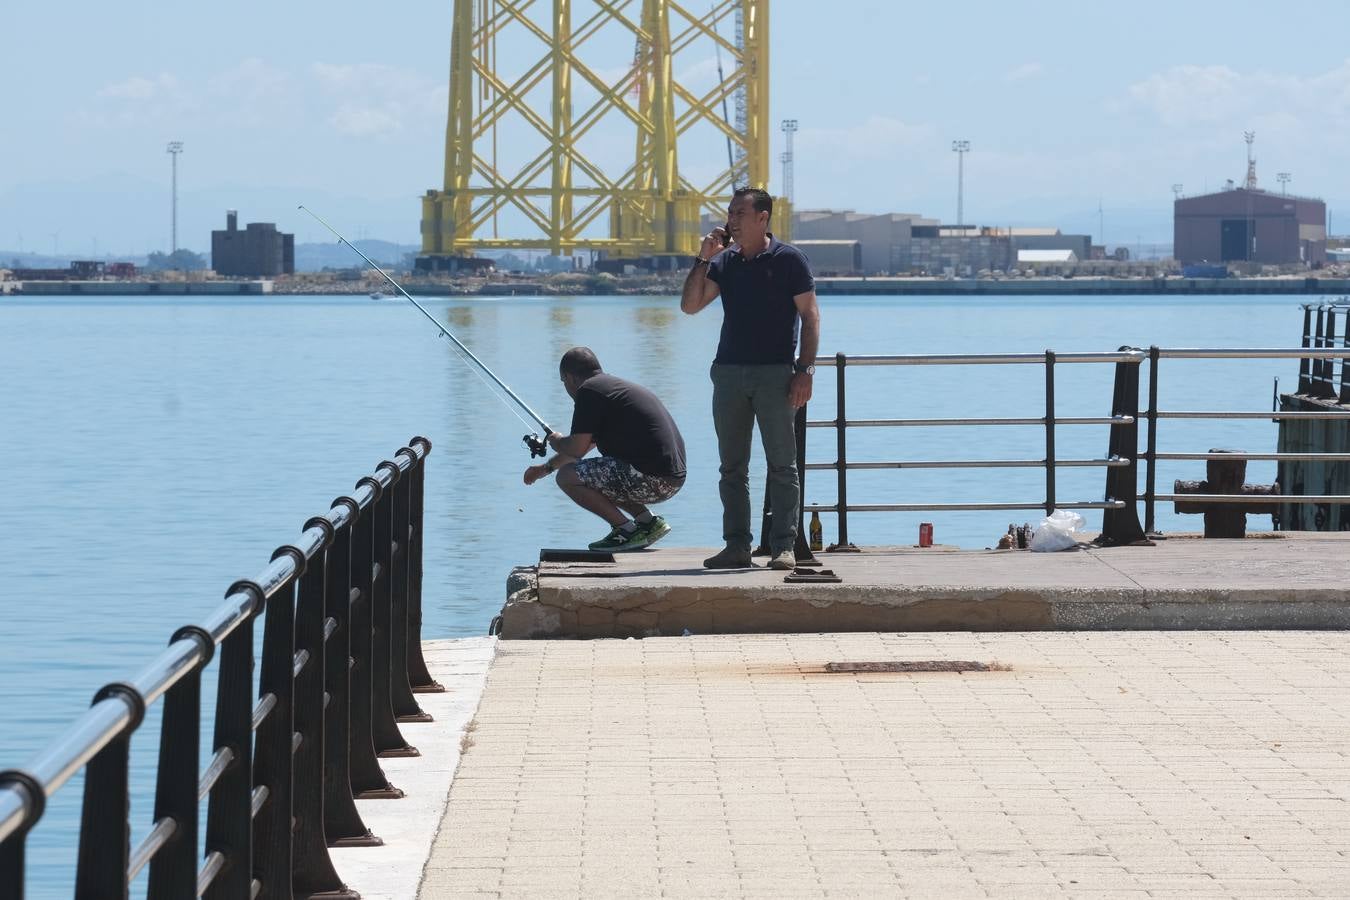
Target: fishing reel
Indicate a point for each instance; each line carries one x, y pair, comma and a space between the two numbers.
538, 446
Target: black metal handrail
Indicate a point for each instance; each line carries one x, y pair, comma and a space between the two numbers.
1120, 520
341, 658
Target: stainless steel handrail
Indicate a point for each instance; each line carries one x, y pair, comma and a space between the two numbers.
1287, 457
1253, 498
986, 359
1227, 414
1251, 353
972, 464
935, 423
66, 755
960, 507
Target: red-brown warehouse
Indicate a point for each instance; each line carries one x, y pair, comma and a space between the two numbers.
1250, 225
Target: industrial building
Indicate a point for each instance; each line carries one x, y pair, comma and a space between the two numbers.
883, 239
904, 243
1246, 224
256, 251
832, 257
909, 244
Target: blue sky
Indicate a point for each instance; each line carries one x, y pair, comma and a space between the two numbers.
341, 105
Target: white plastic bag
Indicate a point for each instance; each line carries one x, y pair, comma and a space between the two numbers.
1057, 531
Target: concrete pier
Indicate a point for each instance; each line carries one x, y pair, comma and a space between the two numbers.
1276, 581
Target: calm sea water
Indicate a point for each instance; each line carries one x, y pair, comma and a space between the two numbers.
157, 449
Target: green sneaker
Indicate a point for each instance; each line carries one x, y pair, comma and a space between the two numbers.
619, 541
656, 529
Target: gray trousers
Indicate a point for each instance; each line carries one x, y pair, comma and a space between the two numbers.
742, 396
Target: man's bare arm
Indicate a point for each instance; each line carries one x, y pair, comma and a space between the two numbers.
799, 389
809, 310
573, 446
699, 289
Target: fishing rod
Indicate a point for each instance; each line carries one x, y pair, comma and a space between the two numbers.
538, 445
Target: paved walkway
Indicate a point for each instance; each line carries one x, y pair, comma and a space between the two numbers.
407, 825
1286, 580
1093, 764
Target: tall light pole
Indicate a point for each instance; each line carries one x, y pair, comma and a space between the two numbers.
1283, 179
1250, 185
789, 189
174, 148
1176, 191
960, 148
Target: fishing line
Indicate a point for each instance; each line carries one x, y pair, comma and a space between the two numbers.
537, 445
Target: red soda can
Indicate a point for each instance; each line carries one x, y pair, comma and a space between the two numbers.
925, 534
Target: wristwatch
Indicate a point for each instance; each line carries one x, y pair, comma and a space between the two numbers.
801, 369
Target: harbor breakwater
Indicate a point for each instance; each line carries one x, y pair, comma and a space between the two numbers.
611, 286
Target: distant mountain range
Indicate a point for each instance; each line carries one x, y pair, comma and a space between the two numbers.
311, 257
317, 257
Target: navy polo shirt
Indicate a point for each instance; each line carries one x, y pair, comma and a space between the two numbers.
759, 317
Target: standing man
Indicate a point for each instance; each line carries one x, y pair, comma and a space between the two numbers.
642, 453
766, 289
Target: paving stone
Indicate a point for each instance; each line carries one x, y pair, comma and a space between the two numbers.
1097, 764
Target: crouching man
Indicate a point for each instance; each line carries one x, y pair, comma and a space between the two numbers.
641, 458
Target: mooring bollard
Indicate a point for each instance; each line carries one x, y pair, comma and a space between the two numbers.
1224, 519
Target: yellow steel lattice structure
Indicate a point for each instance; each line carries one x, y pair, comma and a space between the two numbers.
578, 147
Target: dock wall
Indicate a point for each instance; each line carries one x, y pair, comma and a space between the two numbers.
1284, 581
145, 288
1021, 287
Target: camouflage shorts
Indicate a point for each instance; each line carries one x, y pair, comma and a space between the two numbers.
620, 482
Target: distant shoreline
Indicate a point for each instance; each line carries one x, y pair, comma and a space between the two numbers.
590, 285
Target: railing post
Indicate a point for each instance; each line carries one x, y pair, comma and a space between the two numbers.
1326, 367
368, 779
401, 695
1345, 362
273, 761
389, 742
313, 872
801, 550
841, 454
173, 870
1121, 526
1304, 363
229, 820
418, 675
105, 823
343, 826
1049, 432
12, 847
1150, 459
1319, 341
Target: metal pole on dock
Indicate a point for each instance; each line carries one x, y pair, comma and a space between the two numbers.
174, 148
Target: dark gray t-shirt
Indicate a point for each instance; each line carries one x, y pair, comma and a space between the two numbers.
759, 317
628, 422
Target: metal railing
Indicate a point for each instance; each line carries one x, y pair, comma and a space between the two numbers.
341, 661
1317, 376
1121, 495
1309, 357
